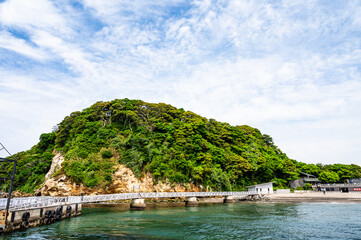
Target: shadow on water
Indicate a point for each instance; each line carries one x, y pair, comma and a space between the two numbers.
219, 221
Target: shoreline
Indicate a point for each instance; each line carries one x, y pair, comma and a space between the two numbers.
306, 197
151, 204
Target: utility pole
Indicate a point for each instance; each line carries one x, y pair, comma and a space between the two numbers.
5, 175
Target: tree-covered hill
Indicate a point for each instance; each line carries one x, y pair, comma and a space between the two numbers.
170, 143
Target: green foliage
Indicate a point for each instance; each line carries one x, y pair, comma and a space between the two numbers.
31, 169
308, 186
329, 177
47, 141
171, 143
91, 171
107, 154
309, 168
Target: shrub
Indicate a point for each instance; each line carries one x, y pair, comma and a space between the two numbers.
308, 186
107, 154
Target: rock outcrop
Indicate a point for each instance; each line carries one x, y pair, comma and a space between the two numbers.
124, 181
55, 166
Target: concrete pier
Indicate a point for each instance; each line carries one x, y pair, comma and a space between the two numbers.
229, 199
191, 202
22, 219
137, 204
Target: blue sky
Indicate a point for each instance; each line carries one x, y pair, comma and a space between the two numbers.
288, 68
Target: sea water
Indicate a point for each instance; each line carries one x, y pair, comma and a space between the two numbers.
217, 221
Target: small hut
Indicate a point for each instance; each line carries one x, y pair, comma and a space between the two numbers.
263, 188
305, 178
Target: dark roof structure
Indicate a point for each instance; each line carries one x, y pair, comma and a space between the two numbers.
303, 174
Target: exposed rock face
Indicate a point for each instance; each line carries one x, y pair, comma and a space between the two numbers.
58, 186
55, 165
124, 181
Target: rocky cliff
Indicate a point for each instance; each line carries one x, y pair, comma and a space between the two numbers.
123, 181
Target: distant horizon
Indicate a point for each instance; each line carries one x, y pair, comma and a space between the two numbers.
290, 69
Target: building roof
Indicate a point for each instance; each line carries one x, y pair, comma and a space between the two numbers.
307, 175
311, 180
258, 185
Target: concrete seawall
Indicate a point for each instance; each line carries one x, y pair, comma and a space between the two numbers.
22, 219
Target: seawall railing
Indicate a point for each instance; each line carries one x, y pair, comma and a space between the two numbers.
45, 201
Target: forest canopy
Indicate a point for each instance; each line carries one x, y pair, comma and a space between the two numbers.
168, 142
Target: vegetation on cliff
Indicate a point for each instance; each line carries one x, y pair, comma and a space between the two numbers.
170, 143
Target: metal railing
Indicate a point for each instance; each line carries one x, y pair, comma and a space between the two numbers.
33, 202
123, 196
339, 185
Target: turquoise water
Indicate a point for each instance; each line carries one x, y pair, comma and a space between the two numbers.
218, 221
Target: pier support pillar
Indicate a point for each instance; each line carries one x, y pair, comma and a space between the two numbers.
137, 204
229, 199
191, 202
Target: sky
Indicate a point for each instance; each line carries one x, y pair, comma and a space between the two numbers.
292, 69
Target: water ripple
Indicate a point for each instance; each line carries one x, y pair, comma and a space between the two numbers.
223, 221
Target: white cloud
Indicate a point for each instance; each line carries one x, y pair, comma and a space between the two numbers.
40, 14
71, 54
113, 11
21, 46
290, 69
30, 107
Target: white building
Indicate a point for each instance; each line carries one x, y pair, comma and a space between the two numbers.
263, 188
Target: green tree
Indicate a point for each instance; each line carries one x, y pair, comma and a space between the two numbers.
329, 177
172, 144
